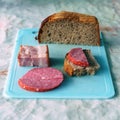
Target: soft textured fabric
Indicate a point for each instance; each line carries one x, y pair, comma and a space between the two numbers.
17, 14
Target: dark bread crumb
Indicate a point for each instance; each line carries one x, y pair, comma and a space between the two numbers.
70, 28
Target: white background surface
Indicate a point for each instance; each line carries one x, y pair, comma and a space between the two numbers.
17, 14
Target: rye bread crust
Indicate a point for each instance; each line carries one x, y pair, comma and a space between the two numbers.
73, 19
75, 70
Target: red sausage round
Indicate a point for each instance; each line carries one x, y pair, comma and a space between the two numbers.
77, 56
41, 79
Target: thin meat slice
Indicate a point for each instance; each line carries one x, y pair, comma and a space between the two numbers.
41, 79
78, 57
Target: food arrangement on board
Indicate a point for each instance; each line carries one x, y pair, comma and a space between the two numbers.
60, 28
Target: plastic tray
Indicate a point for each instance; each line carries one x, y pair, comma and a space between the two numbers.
98, 86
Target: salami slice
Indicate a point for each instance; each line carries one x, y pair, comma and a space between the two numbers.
78, 57
41, 79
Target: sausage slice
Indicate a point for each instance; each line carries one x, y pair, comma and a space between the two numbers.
41, 79
78, 57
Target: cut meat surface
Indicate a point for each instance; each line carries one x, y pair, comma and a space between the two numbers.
33, 56
77, 56
41, 79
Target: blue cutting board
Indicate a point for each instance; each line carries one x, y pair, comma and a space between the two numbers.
98, 86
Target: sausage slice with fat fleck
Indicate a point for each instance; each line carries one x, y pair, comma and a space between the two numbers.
41, 79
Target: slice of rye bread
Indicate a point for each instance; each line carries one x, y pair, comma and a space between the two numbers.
70, 28
75, 70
